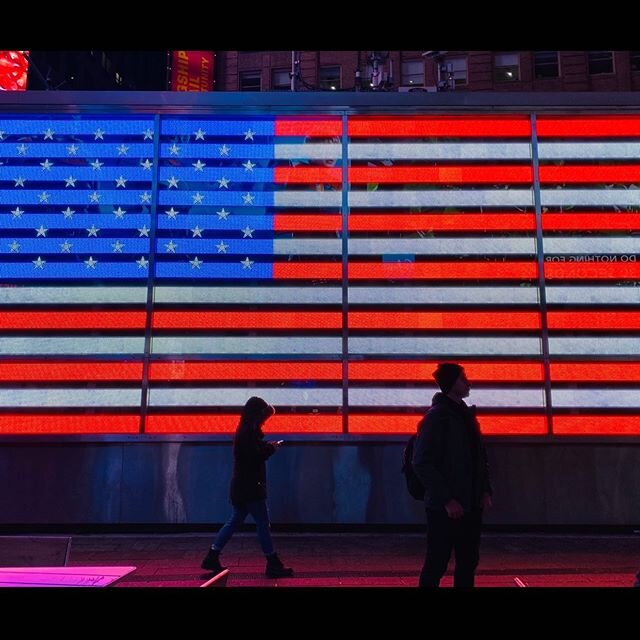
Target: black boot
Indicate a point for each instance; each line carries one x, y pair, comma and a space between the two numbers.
212, 561
275, 568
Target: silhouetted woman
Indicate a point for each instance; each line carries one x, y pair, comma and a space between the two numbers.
249, 488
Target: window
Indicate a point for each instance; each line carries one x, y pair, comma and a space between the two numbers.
412, 72
280, 80
600, 62
545, 64
635, 60
330, 78
506, 67
250, 81
453, 70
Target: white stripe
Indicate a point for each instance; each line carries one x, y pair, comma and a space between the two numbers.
589, 197
441, 246
591, 244
593, 295
69, 398
73, 295
443, 295
308, 151
308, 246
88, 346
595, 398
394, 397
605, 346
254, 295
245, 345
439, 151
307, 198
588, 150
442, 198
446, 347
233, 397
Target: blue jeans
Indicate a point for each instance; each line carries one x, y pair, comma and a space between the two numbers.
259, 513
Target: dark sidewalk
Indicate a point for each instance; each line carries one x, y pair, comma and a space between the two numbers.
365, 559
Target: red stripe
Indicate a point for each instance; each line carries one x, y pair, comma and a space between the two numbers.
443, 270
594, 320
322, 222
54, 371
308, 127
227, 423
459, 127
596, 425
607, 372
495, 425
19, 424
423, 371
486, 174
70, 320
592, 270
450, 320
308, 270
307, 175
596, 221
247, 320
588, 126
461, 222
593, 174
238, 370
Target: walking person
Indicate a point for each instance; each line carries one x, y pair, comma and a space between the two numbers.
450, 459
248, 489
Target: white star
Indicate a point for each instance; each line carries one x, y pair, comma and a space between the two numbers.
248, 134
171, 247
17, 212
70, 182
91, 263
22, 149
198, 198
248, 232
46, 165
95, 196
146, 165
222, 247
44, 197
121, 182
19, 182
248, 198
93, 231
222, 214
48, 134
122, 150
198, 166
119, 212
117, 246
142, 263
41, 231
144, 231
197, 231
2, 136
99, 133
199, 134
96, 165
246, 263
72, 149
68, 212
195, 263
15, 247
39, 263
148, 134
172, 213
224, 150
248, 165
223, 183
145, 197
173, 182
174, 149
65, 247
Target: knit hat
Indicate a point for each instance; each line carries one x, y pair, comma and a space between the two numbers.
446, 375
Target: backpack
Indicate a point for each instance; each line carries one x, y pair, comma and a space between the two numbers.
414, 486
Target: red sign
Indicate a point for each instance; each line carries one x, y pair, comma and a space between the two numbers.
192, 71
13, 70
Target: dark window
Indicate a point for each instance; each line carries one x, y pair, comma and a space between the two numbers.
250, 81
600, 62
506, 67
280, 80
329, 78
545, 64
635, 60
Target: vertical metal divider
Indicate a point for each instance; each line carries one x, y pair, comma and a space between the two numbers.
345, 275
150, 276
541, 278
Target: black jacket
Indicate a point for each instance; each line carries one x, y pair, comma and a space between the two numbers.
249, 479
449, 456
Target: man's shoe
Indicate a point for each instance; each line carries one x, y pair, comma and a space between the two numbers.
275, 568
211, 562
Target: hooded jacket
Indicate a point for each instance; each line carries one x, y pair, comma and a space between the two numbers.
249, 478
